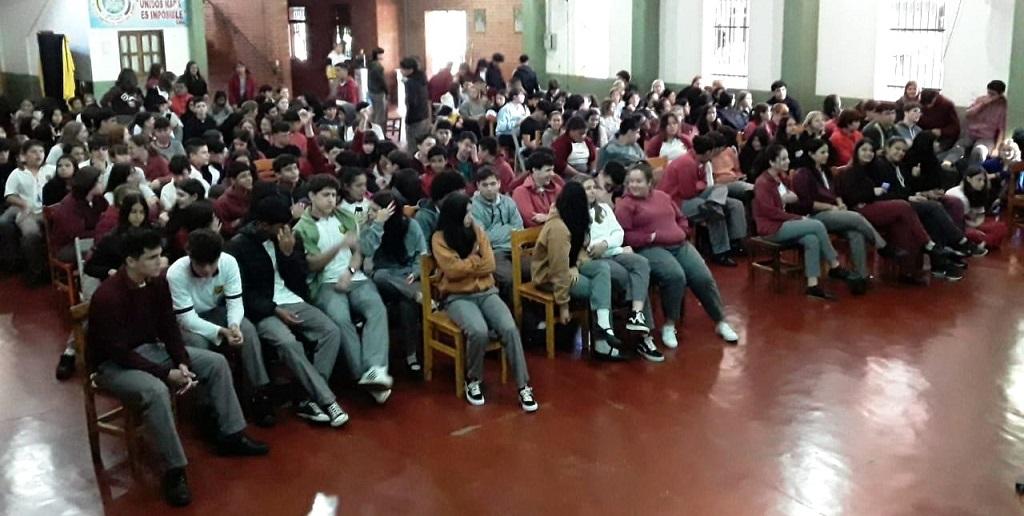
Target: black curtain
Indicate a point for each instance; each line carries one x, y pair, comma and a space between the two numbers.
51, 56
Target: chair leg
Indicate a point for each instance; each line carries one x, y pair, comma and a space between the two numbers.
549, 331
777, 271
504, 366
460, 366
517, 310
131, 439
93, 429
428, 358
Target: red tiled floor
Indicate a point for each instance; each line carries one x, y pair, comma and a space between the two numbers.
905, 401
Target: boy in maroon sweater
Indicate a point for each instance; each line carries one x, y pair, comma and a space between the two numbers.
137, 350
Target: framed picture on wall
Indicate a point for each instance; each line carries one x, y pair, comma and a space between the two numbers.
517, 19
480, 20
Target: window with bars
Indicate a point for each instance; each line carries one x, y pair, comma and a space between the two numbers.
138, 50
730, 46
298, 33
916, 41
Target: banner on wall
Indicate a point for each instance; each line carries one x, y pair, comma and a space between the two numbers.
136, 14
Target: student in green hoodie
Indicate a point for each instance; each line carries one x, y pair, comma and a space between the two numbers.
393, 246
498, 215
338, 286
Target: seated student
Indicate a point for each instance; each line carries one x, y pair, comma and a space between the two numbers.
751, 151
656, 229
437, 162
780, 96
893, 217
443, 134
759, 117
393, 245
554, 130
885, 172
181, 172
429, 208
206, 292
690, 183
629, 272
489, 156
999, 174
575, 152
725, 165
532, 127
846, 136
538, 192
815, 188
24, 195
882, 128
198, 154
281, 142
77, 215
561, 265
290, 184
99, 154
59, 186
233, 206
352, 195
611, 183
197, 215
907, 127
338, 287
498, 216
774, 224
973, 193
667, 142
624, 147
106, 254
273, 266
465, 160
137, 349
466, 265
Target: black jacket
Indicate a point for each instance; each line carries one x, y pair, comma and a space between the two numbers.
794, 107
194, 128
889, 176
493, 77
528, 78
258, 272
417, 100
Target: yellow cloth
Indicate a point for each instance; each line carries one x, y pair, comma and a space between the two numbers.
69, 71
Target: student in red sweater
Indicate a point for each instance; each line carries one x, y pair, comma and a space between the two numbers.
689, 181
537, 194
776, 225
938, 115
241, 87
845, 137
348, 89
655, 228
489, 156
233, 206
574, 152
77, 215
437, 162
139, 355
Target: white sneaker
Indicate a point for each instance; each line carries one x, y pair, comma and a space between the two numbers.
526, 399
474, 395
381, 396
727, 333
668, 337
376, 378
337, 415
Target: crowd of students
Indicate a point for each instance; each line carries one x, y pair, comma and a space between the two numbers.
200, 247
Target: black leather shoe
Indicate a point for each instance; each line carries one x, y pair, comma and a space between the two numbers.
819, 293
66, 367
724, 260
240, 445
608, 336
175, 488
263, 411
839, 273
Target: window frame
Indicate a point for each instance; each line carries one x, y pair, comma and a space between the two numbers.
728, 30
298, 25
125, 54
918, 31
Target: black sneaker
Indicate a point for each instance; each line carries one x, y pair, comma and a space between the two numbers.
609, 336
526, 399
818, 292
649, 351
724, 260
240, 445
175, 488
840, 273
474, 395
311, 412
948, 273
263, 411
891, 253
978, 250
637, 322
65, 367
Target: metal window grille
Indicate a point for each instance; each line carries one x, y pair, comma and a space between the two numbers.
917, 40
298, 40
731, 45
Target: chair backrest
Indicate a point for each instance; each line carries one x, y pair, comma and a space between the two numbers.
523, 241
87, 283
658, 162
410, 211
428, 275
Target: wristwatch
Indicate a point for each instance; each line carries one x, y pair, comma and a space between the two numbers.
351, 271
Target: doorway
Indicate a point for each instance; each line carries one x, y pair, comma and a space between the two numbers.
315, 26
446, 39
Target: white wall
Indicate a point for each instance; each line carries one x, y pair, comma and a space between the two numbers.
593, 37
681, 50
106, 63
851, 58
19, 48
765, 57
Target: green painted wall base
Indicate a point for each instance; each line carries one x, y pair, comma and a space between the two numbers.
22, 86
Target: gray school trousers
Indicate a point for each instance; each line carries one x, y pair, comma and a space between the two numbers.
252, 349
401, 294
812, 235
477, 313
857, 231
594, 284
379, 101
151, 397
675, 268
321, 332
362, 297
721, 232
631, 273
31, 243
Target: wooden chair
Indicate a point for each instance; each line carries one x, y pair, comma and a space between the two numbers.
393, 131
776, 263
522, 245
264, 169
63, 275
410, 211
658, 165
441, 334
1014, 200
106, 422
87, 285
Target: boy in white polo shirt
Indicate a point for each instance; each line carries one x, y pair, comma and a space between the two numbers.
206, 291
24, 195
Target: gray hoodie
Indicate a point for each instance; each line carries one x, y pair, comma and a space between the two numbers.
498, 219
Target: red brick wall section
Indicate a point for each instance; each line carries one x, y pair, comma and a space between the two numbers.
499, 37
252, 31
389, 37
